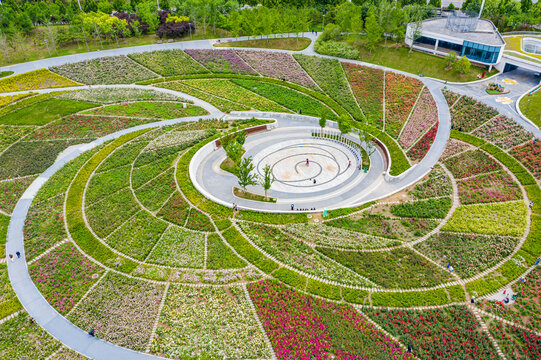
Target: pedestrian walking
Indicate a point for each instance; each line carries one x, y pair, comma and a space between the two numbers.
472, 300
314, 181
307, 162
18, 253
409, 348
537, 261
292, 207
349, 164
531, 205
11, 257
92, 332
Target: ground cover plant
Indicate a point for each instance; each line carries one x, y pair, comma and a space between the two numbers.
484, 188
221, 61
44, 112
525, 310
516, 343
419, 150
169, 62
105, 70
401, 93
194, 318
424, 116
115, 95
398, 268
454, 147
277, 65
297, 254
289, 98
6, 291
150, 109
503, 132
468, 114
63, 276
330, 77
431, 208
507, 218
529, 155
468, 254
22, 338
33, 80
226, 89
436, 184
458, 332
283, 43
303, 327
470, 163
367, 86
222, 104
119, 309
8, 99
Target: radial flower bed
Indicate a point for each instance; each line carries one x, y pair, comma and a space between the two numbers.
115, 95
221, 61
63, 276
169, 62
401, 93
495, 187
277, 65
470, 163
179, 248
503, 132
329, 75
209, 321
301, 327
424, 116
419, 150
33, 80
367, 86
105, 70
458, 333
11, 191
493, 219
120, 310
516, 343
454, 147
437, 184
529, 155
468, 254
468, 114
6, 100
10, 134
450, 97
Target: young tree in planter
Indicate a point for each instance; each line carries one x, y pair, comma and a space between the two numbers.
234, 151
241, 137
244, 173
343, 125
267, 179
462, 65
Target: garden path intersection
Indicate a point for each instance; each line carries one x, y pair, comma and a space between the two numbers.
310, 172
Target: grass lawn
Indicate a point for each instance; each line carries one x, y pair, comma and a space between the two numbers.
30, 51
249, 196
5, 73
229, 166
45, 111
530, 105
293, 43
415, 62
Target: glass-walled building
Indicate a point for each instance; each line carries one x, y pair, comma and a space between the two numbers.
477, 39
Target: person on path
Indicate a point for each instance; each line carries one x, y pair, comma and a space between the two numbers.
531, 205
307, 162
292, 207
314, 181
537, 261
92, 332
472, 300
349, 164
11, 257
18, 253
409, 348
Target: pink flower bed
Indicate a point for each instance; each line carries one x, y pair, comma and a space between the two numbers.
530, 156
470, 163
450, 97
400, 95
221, 61
488, 188
503, 132
277, 65
424, 117
468, 114
367, 86
454, 147
302, 327
420, 149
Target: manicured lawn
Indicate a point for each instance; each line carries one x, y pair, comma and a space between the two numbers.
250, 196
150, 109
295, 43
530, 106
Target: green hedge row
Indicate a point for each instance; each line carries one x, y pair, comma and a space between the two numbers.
291, 278
322, 289
10, 306
474, 140
272, 218
29, 101
409, 299
355, 296
76, 224
247, 251
534, 194
399, 161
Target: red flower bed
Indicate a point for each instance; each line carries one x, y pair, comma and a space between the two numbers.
301, 327
400, 95
530, 156
367, 86
515, 342
419, 150
449, 333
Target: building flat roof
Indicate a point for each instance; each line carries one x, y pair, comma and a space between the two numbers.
485, 32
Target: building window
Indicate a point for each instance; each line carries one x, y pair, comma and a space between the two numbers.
425, 40
450, 46
480, 52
